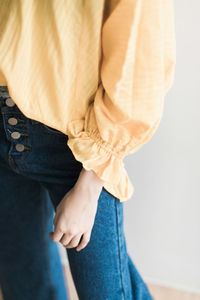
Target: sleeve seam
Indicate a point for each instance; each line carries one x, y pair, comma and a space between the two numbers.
95, 136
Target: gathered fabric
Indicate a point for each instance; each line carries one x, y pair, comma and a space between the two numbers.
97, 71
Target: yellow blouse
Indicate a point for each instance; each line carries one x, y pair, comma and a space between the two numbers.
97, 71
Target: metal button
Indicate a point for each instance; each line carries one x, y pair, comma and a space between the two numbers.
15, 135
10, 102
19, 147
12, 121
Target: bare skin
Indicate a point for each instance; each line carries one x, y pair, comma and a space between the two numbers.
76, 212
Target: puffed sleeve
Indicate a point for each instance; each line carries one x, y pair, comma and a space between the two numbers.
137, 70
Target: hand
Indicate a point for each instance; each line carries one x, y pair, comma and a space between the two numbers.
76, 212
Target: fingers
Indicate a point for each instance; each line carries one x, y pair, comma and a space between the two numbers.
71, 242
56, 235
70, 238
80, 240
85, 240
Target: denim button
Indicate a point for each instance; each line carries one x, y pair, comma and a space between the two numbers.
19, 147
15, 135
10, 102
12, 121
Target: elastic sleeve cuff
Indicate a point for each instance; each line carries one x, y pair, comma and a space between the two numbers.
93, 154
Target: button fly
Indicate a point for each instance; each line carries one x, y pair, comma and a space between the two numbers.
15, 135
10, 102
12, 121
19, 147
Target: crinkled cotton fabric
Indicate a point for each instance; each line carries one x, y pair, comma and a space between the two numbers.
97, 71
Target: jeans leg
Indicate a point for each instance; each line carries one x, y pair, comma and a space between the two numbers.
104, 270
25, 254
134, 286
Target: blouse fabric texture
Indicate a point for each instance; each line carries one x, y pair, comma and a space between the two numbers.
98, 71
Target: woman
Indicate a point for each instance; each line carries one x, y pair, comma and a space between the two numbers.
82, 86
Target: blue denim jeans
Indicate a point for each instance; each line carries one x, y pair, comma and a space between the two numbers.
37, 169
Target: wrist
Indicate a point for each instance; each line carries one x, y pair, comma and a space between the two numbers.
90, 178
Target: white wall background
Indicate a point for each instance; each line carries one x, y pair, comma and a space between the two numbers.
162, 219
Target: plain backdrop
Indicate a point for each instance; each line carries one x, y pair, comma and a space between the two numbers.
162, 219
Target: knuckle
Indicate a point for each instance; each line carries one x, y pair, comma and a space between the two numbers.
70, 232
60, 230
65, 243
74, 244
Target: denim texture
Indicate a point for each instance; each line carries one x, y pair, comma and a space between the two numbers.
32, 183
